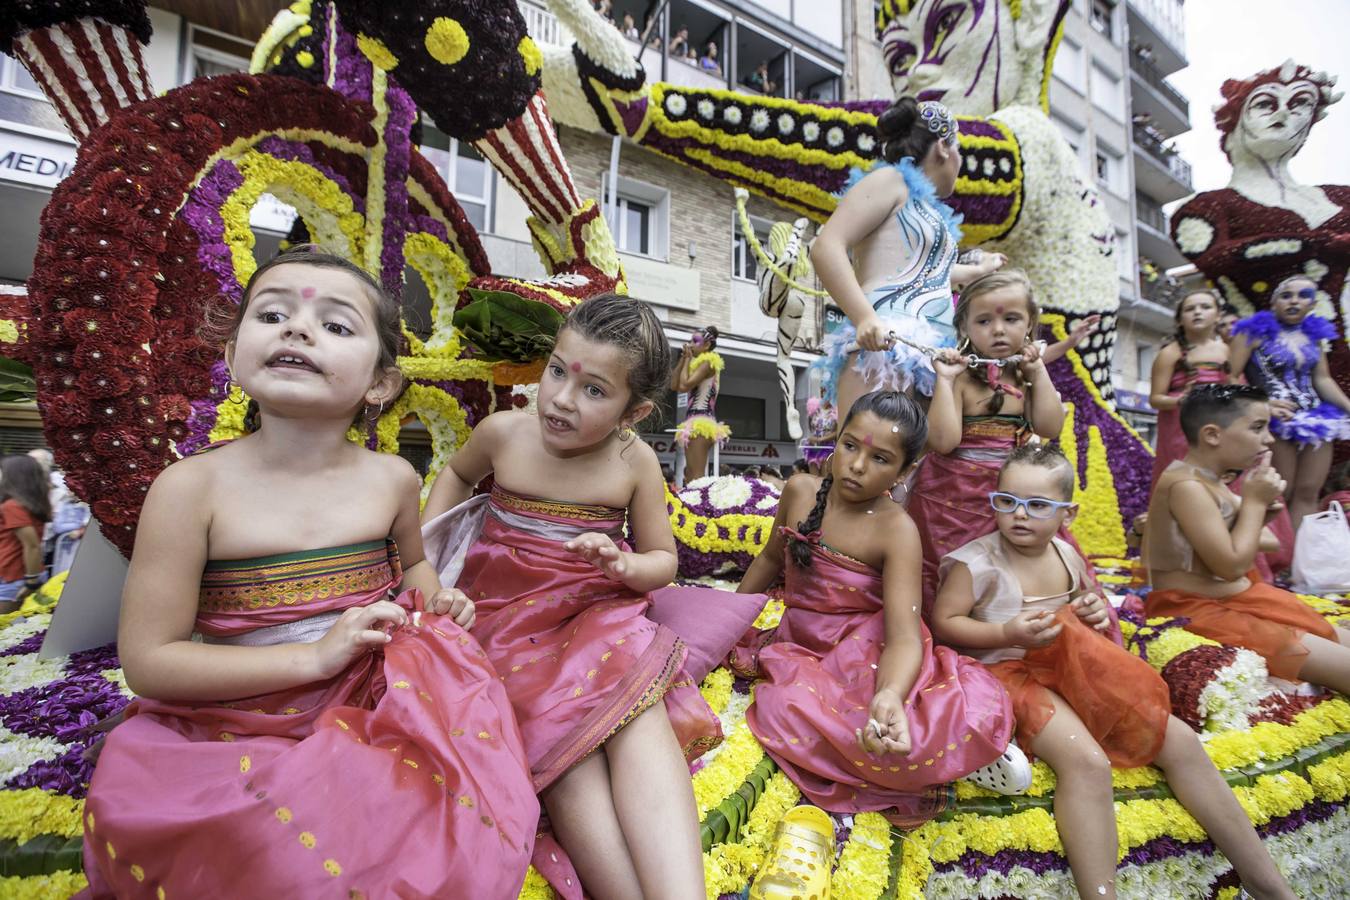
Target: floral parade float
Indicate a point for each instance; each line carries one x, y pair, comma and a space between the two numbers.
1265, 226
1020, 190
155, 219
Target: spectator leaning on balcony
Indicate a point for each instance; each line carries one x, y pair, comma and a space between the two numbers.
709, 60
759, 79
629, 27
679, 44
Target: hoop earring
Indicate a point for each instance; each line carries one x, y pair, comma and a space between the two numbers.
963, 346
234, 396
626, 433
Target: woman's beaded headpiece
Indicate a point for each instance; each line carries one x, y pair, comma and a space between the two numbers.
939, 120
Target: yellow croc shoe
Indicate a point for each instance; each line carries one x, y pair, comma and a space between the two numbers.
798, 868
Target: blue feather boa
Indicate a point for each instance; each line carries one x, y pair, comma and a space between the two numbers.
1263, 326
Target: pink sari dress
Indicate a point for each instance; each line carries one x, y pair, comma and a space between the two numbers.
404, 776
819, 678
950, 498
576, 651
1171, 443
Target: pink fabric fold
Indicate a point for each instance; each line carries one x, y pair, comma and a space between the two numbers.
819, 679
404, 776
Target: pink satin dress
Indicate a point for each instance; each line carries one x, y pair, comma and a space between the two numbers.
576, 652
950, 499
819, 678
404, 776
1171, 443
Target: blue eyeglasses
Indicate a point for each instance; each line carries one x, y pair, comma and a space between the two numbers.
1036, 507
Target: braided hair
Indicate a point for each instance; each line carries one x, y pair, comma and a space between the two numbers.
889, 406
985, 284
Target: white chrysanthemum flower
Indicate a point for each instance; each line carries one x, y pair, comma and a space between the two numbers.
759, 120
730, 492
768, 503
676, 105
810, 131
786, 123
18, 752
732, 114
866, 142
1194, 235
706, 108
835, 137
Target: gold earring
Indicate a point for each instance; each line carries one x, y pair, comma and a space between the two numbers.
625, 433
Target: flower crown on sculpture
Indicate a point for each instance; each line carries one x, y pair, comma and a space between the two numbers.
939, 120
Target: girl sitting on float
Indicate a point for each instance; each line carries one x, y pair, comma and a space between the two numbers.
856, 704
285, 635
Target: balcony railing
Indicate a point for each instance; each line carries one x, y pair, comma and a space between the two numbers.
544, 27
1150, 214
1168, 159
1155, 79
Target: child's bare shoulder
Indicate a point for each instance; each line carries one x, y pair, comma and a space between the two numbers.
799, 492
391, 469
505, 422
893, 520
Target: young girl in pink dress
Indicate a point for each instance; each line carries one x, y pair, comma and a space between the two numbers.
857, 705
1020, 600
1196, 355
300, 730
562, 605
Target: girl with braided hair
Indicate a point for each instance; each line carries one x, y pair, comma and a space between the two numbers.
1195, 355
857, 706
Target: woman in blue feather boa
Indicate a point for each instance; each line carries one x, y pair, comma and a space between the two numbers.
903, 240
1282, 350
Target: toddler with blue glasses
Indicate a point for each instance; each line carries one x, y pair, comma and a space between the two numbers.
1024, 602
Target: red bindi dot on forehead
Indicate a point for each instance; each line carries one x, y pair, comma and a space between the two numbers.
576, 367
867, 439
308, 293
999, 309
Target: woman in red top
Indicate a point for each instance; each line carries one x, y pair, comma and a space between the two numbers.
24, 510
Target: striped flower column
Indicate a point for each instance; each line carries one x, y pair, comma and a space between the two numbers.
87, 68
526, 152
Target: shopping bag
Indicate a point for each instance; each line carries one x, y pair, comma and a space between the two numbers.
1322, 553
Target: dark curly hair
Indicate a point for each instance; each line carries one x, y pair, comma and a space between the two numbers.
889, 406
903, 133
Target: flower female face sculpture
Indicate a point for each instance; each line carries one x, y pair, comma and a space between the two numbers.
973, 55
1277, 117
1270, 114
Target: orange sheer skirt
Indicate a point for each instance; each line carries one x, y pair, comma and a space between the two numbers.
1121, 700
1262, 618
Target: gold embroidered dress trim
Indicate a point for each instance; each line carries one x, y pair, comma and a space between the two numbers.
293, 579
556, 508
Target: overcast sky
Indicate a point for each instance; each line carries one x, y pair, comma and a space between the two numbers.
1237, 38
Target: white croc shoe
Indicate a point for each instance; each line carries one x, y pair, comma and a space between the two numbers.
1009, 774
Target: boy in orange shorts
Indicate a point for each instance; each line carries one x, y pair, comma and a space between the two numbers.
1201, 543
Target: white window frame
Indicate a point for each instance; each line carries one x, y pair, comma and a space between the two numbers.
649, 195
1076, 75
8, 69
761, 227
487, 201
1096, 77
210, 54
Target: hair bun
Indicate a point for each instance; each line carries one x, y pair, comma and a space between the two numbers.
898, 118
